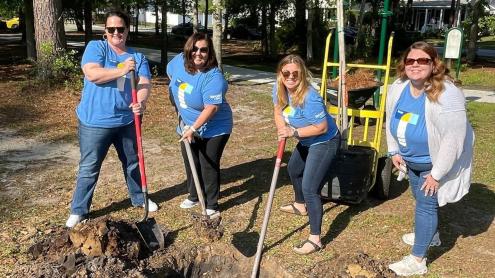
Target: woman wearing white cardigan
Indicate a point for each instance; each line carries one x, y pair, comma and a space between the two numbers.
429, 136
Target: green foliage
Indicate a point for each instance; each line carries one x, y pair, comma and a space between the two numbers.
487, 25
58, 66
285, 34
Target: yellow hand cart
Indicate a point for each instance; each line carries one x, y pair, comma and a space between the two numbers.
358, 169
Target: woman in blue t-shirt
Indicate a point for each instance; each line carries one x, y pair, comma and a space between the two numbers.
106, 115
198, 88
429, 136
300, 113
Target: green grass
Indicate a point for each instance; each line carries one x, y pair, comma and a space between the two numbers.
481, 116
477, 77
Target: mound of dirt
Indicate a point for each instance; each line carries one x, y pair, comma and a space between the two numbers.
210, 229
103, 247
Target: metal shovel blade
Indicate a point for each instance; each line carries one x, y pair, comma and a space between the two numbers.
153, 237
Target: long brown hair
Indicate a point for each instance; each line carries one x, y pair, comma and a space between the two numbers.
211, 61
440, 73
302, 88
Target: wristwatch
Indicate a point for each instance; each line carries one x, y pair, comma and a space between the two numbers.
295, 134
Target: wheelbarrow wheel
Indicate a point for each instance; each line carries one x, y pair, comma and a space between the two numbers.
381, 189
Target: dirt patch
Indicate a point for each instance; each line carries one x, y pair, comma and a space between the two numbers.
104, 247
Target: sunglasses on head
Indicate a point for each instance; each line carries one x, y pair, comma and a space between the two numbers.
421, 61
111, 30
286, 74
201, 49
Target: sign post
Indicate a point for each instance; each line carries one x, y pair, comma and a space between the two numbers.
453, 47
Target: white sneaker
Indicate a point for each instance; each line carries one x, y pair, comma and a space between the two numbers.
152, 206
212, 213
73, 220
187, 204
409, 266
409, 239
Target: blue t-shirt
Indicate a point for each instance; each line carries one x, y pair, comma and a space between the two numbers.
192, 92
312, 112
408, 126
107, 105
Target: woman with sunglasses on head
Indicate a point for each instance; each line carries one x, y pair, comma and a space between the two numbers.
106, 113
300, 113
197, 89
429, 136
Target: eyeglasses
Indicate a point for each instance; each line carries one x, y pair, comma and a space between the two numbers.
201, 49
421, 61
111, 30
286, 74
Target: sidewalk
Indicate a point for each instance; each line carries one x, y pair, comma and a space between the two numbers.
262, 77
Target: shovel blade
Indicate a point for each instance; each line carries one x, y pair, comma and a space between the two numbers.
151, 234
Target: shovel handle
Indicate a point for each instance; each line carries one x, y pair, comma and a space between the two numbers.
139, 141
194, 171
278, 161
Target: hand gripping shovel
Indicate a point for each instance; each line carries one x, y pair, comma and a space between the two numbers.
280, 152
148, 229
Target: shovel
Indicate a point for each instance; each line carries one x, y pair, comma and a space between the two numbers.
148, 229
194, 171
280, 152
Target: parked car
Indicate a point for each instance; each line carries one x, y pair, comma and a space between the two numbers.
186, 29
12, 23
244, 32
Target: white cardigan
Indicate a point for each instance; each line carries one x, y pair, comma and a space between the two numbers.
450, 139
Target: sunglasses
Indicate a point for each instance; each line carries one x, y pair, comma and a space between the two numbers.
287, 74
421, 61
201, 49
111, 30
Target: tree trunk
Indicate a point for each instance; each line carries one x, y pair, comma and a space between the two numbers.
136, 24
183, 11
88, 21
309, 33
264, 35
29, 22
195, 16
452, 13
157, 24
164, 46
477, 10
271, 19
206, 15
301, 26
217, 31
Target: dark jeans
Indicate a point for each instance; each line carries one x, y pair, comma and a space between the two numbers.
207, 153
308, 171
426, 211
94, 143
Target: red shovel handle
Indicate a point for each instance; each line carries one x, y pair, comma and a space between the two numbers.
137, 123
280, 152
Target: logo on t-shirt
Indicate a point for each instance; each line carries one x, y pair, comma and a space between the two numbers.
216, 97
287, 112
405, 119
184, 88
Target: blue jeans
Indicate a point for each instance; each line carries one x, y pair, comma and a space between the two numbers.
308, 171
426, 212
94, 143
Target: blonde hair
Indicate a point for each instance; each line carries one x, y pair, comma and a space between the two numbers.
440, 73
302, 88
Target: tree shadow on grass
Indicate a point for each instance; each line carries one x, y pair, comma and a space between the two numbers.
342, 220
469, 217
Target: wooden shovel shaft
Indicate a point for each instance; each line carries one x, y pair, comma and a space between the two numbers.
194, 171
280, 152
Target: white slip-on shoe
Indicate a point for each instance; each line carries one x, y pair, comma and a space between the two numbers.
187, 204
152, 206
409, 239
212, 213
73, 220
409, 266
